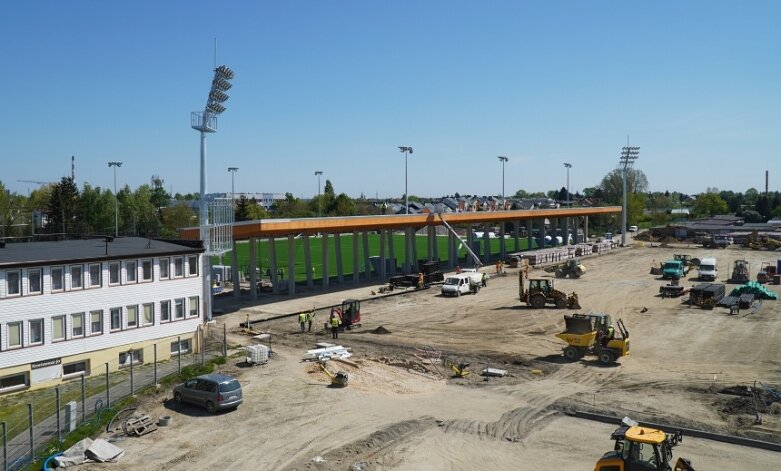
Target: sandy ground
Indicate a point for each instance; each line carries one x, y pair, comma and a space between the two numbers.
400, 413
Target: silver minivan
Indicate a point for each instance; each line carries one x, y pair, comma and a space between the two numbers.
214, 391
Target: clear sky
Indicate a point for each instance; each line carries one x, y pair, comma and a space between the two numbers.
338, 85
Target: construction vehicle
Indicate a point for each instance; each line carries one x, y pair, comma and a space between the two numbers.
349, 312
766, 272
594, 334
642, 449
478, 263
541, 292
459, 368
717, 241
674, 269
740, 272
571, 268
338, 379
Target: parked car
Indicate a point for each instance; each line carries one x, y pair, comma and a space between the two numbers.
456, 285
214, 391
632, 228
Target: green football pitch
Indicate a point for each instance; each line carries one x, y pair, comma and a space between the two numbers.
281, 249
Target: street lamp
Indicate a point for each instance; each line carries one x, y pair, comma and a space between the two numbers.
628, 156
569, 166
319, 201
503, 159
116, 200
233, 171
206, 122
406, 150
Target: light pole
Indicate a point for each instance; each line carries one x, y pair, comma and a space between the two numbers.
319, 201
406, 150
503, 159
568, 166
628, 156
116, 200
206, 122
233, 171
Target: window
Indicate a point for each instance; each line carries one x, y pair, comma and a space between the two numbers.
193, 306
149, 314
58, 279
76, 369
116, 318
146, 270
113, 273
76, 273
12, 382
94, 275
178, 266
14, 335
13, 280
165, 311
164, 268
180, 347
179, 308
96, 322
132, 271
192, 262
136, 356
58, 328
132, 316
36, 332
34, 281
77, 324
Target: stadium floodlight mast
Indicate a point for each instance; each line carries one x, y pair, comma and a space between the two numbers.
319, 201
406, 150
206, 122
503, 159
568, 166
628, 156
233, 171
116, 200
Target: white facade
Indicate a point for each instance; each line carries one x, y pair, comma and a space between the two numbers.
51, 312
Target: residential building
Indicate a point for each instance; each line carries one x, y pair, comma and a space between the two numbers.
69, 308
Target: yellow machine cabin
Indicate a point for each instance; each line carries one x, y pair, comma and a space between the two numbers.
642, 449
594, 334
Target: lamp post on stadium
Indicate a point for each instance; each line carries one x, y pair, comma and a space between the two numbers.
628, 156
116, 200
319, 200
406, 150
503, 159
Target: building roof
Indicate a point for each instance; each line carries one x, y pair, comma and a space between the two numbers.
26, 254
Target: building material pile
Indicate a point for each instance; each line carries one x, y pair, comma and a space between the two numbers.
328, 352
706, 295
584, 249
602, 247
758, 290
257, 354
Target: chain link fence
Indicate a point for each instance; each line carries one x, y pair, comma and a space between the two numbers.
36, 422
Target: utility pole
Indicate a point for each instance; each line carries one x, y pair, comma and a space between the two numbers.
406, 150
116, 199
628, 156
503, 159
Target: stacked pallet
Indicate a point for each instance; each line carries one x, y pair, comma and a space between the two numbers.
583, 249
602, 247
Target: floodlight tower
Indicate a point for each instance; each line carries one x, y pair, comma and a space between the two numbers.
319, 201
116, 200
503, 159
406, 150
233, 171
206, 122
628, 156
568, 166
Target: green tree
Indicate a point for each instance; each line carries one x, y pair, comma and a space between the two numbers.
176, 217
329, 188
242, 209
344, 206
255, 210
612, 186
95, 213
709, 204
62, 206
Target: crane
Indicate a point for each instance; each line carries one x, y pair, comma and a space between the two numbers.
34, 181
475, 258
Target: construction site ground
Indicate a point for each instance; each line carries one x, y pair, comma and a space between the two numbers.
688, 367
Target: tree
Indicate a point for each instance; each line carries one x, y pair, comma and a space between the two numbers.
159, 197
95, 214
612, 186
329, 188
709, 204
344, 205
763, 207
175, 217
242, 209
62, 206
255, 210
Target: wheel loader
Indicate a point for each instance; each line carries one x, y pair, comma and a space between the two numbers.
642, 449
594, 334
571, 268
541, 293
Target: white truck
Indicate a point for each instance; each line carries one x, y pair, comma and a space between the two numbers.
707, 270
462, 283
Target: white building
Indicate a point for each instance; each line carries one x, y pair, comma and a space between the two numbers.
70, 308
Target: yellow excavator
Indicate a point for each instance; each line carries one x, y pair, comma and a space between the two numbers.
594, 334
642, 449
540, 292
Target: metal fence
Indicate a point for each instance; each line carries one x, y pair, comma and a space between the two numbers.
35, 423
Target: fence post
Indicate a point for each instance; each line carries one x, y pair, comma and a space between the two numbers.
225, 340
5, 447
179, 354
59, 424
203, 348
108, 389
131, 372
155, 367
32, 439
83, 399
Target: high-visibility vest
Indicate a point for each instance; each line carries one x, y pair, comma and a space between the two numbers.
310, 316
302, 317
334, 321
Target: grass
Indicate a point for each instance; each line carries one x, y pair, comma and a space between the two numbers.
281, 250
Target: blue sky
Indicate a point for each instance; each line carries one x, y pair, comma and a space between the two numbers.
337, 86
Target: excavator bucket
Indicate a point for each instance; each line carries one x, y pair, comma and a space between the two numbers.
683, 465
572, 301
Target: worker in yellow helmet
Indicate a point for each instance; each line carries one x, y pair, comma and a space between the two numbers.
302, 320
334, 321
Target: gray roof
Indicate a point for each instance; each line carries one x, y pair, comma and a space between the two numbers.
27, 254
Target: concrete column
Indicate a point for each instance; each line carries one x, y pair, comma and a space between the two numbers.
308, 261
356, 260
324, 248
554, 226
253, 277
432, 243
486, 244
529, 234
272, 259
585, 228
235, 272
517, 234
470, 239
566, 232
452, 252
543, 233
407, 251
338, 249
291, 264
383, 273
392, 252
502, 248
414, 246
366, 260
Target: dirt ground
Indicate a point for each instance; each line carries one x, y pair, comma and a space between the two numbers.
688, 367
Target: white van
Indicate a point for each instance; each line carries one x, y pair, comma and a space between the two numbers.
707, 270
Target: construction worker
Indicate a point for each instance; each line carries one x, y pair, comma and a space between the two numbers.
302, 320
334, 322
310, 317
458, 269
421, 281
485, 280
